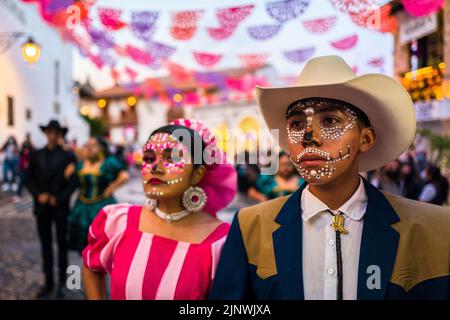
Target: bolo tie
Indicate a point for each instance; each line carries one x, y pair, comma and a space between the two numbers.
338, 226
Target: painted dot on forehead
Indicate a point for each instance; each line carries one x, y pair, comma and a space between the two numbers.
309, 111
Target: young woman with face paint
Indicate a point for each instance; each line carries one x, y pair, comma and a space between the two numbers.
169, 248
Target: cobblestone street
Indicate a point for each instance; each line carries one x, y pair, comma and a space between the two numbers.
20, 257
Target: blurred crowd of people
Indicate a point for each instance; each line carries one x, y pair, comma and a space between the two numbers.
414, 177
15, 157
15, 161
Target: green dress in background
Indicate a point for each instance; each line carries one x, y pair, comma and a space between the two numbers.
91, 200
267, 185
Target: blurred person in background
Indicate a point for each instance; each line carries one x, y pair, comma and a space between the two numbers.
77, 150
10, 164
389, 178
248, 174
120, 155
410, 182
435, 190
24, 164
47, 179
421, 160
98, 175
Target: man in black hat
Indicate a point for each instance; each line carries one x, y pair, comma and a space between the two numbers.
51, 189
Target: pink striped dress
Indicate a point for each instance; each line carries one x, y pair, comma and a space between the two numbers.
147, 266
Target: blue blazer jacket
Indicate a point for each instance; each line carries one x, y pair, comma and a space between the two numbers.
408, 240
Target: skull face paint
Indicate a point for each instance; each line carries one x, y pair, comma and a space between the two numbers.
316, 130
326, 171
330, 128
164, 148
164, 167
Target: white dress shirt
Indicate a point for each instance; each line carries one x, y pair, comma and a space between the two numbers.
319, 247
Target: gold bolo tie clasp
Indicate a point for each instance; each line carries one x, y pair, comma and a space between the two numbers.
338, 223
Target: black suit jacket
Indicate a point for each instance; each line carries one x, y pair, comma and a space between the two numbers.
46, 174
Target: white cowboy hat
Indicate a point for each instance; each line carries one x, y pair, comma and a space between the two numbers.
385, 102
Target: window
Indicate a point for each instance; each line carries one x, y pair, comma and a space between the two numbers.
56, 77
28, 114
56, 107
10, 111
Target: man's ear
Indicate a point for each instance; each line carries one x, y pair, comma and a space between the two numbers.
368, 139
198, 174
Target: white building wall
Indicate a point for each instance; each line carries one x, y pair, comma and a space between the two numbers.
151, 115
33, 87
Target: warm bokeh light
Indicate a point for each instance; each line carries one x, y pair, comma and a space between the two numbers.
101, 103
178, 97
85, 111
131, 101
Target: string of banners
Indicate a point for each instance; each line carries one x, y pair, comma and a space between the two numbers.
96, 34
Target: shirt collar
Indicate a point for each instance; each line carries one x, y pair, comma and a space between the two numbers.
354, 208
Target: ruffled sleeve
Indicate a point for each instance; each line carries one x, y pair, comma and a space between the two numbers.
105, 233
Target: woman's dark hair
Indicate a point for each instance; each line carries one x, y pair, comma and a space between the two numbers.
282, 154
434, 173
194, 141
103, 144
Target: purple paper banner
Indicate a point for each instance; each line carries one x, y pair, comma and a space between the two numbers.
143, 24
286, 10
300, 55
263, 32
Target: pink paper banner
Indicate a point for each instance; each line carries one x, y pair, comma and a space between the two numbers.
231, 17
420, 8
354, 6
111, 18
253, 60
377, 62
220, 33
320, 25
139, 55
207, 59
184, 24
346, 43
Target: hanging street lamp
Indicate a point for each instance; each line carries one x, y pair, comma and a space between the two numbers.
31, 51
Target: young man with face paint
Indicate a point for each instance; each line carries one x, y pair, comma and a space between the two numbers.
337, 237
169, 248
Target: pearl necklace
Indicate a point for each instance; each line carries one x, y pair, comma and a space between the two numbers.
170, 217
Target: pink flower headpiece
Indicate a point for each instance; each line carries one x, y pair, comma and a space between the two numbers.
220, 180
